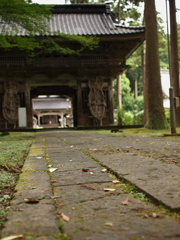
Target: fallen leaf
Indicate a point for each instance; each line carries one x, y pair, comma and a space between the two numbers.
53, 181
91, 173
64, 217
10, 168
88, 187
86, 170
52, 169
39, 157
109, 189
50, 165
125, 202
83, 228
116, 181
104, 170
53, 197
108, 224
129, 147
154, 215
44, 190
31, 200
12, 237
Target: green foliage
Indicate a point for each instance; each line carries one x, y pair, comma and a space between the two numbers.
134, 73
163, 46
30, 17
139, 103
54, 44
32, 20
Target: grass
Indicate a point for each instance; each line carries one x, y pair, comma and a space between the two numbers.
14, 148
137, 131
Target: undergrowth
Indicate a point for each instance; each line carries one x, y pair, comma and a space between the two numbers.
14, 148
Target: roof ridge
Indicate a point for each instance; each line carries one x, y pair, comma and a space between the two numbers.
81, 8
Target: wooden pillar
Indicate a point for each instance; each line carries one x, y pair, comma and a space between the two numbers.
28, 104
38, 121
145, 85
79, 103
111, 102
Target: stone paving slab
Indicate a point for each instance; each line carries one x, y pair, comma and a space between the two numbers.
91, 214
38, 220
159, 180
65, 178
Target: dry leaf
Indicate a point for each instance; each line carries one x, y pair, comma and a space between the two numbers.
83, 228
10, 168
129, 147
125, 202
31, 200
86, 170
116, 181
88, 187
12, 237
52, 169
109, 189
53, 181
108, 224
64, 217
104, 170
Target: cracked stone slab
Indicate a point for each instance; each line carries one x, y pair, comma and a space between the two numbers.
157, 179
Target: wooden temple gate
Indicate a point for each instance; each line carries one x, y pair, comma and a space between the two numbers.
86, 78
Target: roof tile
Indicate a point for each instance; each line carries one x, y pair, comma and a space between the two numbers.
85, 19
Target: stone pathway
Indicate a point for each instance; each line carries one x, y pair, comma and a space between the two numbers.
62, 194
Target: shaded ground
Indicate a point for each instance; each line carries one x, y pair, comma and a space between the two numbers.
98, 208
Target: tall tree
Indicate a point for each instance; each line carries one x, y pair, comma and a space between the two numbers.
174, 56
156, 116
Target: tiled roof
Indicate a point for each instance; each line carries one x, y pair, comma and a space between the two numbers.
89, 24
85, 19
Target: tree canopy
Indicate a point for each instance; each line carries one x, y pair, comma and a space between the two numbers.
18, 16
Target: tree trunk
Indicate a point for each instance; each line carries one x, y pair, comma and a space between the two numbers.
174, 56
119, 92
156, 116
119, 11
145, 92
